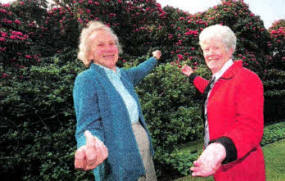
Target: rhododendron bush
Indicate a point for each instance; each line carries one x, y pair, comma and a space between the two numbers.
38, 64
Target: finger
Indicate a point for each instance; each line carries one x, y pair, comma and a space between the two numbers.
80, 159
103, 150
98, 142
89, 139
102, 154
91, 155
197, 163
195, 171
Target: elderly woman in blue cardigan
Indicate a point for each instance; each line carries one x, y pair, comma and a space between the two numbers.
111, 133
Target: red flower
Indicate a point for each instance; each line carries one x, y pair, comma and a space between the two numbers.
3, 11
17, 33
3, 34
6, 5
13, 37
3, 49
180, 57
170, 36
17, 21
28, 56
4, 75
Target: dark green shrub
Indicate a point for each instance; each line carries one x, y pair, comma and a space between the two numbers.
273, 133
171, 106
38, 123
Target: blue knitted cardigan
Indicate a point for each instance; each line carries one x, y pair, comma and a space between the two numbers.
100, 109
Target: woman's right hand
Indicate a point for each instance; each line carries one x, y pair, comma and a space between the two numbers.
92, 154
156, 54
186, 70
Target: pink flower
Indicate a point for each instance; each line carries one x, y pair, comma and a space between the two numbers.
112, 15
17, 21
13, 37
17, 33
28, 56
3, 11
3, 34
6, 5
3, 49
2, 39
191, 32
4, 75
80, 20
180, 57
170, 36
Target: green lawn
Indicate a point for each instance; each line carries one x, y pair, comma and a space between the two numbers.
274, 160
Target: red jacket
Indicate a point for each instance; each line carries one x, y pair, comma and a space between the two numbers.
235, 110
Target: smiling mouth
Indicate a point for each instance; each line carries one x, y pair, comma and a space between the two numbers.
109, 56
212, 58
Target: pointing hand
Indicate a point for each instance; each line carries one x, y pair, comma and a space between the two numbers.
92, 154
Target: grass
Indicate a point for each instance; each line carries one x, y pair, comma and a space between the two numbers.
274, 155
274, 161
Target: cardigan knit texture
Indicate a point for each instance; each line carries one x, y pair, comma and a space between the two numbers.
100, 109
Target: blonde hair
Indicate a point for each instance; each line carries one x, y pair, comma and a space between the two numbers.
223, 33
84, 47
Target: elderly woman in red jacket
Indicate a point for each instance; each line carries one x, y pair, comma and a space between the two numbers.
233, 112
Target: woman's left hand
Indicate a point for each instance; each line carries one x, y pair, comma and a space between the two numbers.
156, 54
92, 154
209, 161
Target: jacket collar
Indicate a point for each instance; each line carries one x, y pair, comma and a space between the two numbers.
232, 70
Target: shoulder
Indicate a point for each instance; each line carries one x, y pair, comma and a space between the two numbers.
246, 73
248, 79
85, 77
243, 74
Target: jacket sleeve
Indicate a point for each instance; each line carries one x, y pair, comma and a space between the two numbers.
136, 74
86, 109
246, 133
199, 82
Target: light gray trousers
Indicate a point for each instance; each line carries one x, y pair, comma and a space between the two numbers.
143, 144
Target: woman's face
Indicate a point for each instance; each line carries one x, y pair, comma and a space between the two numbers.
103, 49
216, 54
